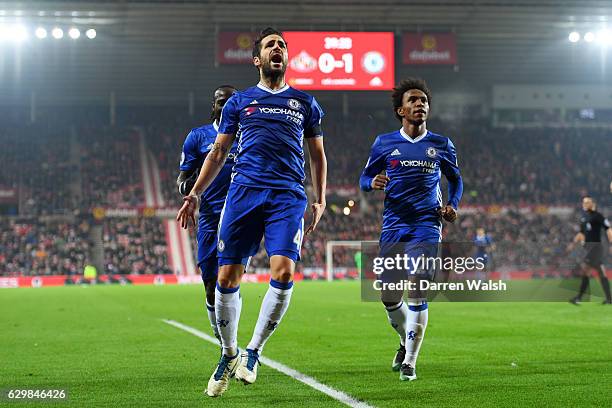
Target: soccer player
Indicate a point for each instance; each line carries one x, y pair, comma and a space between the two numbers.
197, 145
266, 198
592, 223
413, 159
484, 244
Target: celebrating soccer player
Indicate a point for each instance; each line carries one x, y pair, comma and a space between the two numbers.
592, 223
412, 158
483, 244
198, 144
266, 198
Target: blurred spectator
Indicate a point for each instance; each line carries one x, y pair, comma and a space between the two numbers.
500, 166
110, 167
135, 245
35, 161
33, 247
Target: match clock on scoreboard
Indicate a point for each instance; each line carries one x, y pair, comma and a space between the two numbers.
340, 60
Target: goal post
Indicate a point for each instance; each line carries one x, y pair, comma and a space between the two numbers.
329, 254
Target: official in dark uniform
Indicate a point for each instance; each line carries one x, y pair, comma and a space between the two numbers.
592, 223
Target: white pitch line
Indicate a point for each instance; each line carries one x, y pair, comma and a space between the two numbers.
303, 378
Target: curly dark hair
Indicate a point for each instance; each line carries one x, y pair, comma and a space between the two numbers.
407, 84
263, 34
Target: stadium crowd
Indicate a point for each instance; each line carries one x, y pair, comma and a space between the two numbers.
522, 240
35, 162
110, 167
31, 246
134, 246
166, 143
500, 166
534, 166
137, 245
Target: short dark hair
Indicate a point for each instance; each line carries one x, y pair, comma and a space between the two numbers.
263, 34
407, 84
224, 86
212, 112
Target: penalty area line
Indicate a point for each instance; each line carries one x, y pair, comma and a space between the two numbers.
301, 377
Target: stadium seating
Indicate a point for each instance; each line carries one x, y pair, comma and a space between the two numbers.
166, 143
501, 166
31, 246
134, 246
110, 167
35, 161
544, 165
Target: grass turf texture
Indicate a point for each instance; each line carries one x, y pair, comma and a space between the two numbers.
108, 346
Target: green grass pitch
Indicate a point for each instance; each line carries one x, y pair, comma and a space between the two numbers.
108, 346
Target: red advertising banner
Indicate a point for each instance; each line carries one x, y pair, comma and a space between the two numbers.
429, 49
235, 47
62, 280
340, 60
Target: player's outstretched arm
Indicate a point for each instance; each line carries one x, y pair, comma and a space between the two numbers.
215, 159
318, 173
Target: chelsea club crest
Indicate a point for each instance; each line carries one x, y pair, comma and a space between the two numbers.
431, 152
293, 104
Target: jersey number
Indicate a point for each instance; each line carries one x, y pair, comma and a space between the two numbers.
297, 239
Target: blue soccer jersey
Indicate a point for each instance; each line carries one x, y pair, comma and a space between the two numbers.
271, 126
414, 167
197, 145
482, 244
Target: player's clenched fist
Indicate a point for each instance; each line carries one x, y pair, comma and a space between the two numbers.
448, 213
187, 211
380, 182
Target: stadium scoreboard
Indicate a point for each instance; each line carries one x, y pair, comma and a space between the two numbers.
340, 60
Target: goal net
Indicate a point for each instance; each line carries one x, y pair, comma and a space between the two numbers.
342, 259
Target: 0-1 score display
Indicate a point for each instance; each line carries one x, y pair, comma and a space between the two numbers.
340, 60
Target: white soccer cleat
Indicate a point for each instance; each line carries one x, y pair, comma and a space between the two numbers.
247, 369
220, 378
